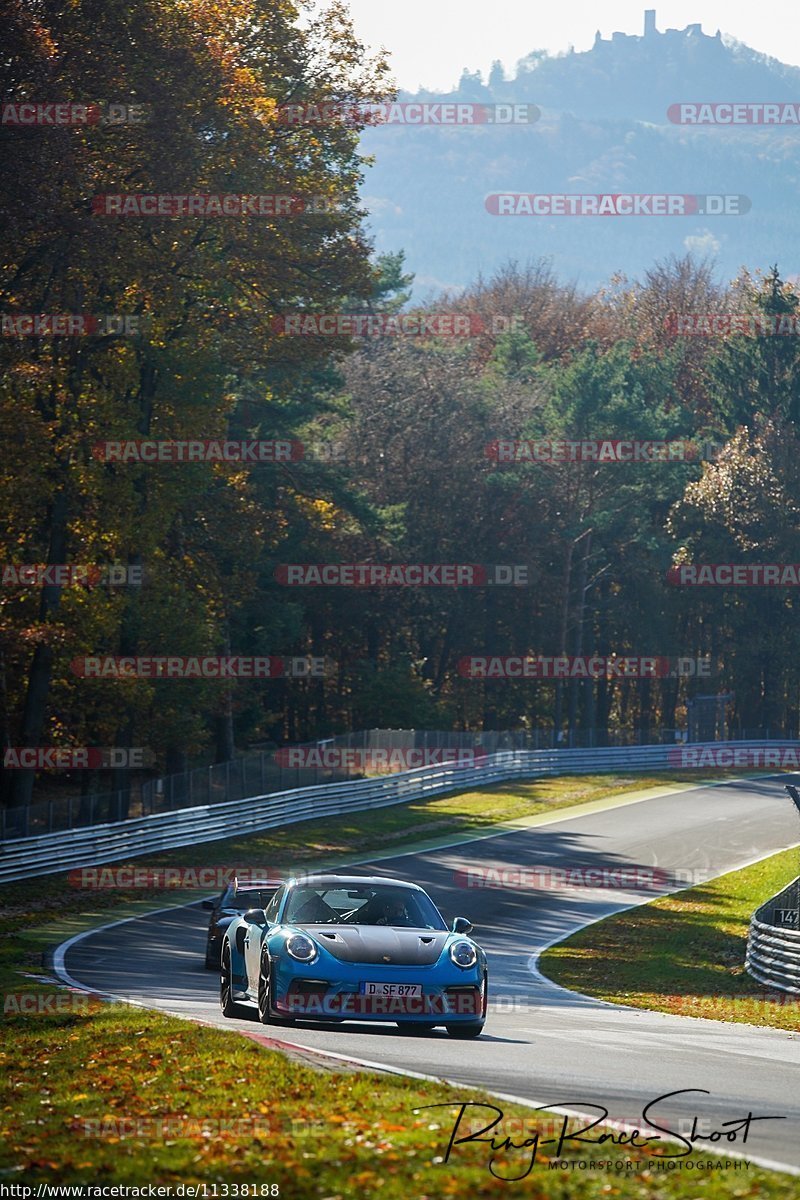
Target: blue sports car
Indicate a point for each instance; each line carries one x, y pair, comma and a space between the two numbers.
339, 947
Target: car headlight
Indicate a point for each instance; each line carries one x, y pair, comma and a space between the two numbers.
463, 954
301, 947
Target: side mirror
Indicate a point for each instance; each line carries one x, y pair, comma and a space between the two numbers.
255, 916
208, 904
461, 925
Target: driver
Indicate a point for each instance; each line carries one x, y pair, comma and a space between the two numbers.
387, 910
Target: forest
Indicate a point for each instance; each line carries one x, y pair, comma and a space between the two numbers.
467, 434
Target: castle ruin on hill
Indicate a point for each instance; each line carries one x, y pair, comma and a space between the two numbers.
650, 32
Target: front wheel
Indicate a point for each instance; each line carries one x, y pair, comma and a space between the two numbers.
227, 1003
263, 994
264, 1014
471, 1029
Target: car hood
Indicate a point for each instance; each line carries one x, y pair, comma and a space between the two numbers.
380, 944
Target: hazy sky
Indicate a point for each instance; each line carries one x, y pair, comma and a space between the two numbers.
432, 40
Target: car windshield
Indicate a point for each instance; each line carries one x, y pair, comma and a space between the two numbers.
369, 905
249, 898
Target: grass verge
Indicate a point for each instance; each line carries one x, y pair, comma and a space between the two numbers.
683, 954
129, 1096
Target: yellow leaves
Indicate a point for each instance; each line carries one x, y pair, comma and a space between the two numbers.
364, 1179
244, 77
265, 108
451, 1186
322, 513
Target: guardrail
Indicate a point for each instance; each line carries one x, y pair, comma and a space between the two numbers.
234, 780
50, 853
259, 772
773, 941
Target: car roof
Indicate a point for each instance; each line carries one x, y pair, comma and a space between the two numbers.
255, 884
351, 881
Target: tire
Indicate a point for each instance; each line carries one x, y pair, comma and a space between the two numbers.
265, 1015
227, 1004
212, 964
471, 1029
263, 995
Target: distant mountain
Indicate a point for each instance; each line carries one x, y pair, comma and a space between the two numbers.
603, 128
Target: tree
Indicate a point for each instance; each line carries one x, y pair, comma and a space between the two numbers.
213, 78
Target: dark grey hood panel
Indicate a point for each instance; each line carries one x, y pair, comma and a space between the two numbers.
380, 944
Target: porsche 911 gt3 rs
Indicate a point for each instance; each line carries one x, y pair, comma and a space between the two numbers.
347, 947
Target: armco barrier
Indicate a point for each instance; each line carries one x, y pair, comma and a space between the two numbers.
773, 949
48, 854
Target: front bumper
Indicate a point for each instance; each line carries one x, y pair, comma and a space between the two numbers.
443, 1001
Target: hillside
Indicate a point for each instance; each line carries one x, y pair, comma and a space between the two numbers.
603, 128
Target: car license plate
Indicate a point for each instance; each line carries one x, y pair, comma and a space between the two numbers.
390, 989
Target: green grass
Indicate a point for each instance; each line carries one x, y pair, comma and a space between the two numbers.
129, 1096
684, 953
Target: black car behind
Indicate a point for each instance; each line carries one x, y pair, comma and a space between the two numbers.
236, 898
